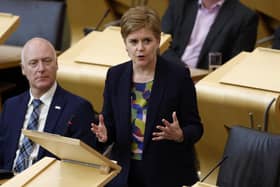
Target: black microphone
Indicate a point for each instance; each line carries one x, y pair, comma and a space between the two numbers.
88, 30
213, 169
251, 119
108, 150
265, 123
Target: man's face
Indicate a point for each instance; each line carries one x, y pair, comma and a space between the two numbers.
39, 66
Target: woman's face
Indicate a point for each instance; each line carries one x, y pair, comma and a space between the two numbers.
142, 47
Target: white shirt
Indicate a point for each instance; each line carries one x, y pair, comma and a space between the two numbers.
46, 100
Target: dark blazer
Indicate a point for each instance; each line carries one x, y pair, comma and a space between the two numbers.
72, 119
234, 30
166, 163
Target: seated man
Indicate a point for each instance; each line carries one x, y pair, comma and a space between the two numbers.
199, 27
44, 107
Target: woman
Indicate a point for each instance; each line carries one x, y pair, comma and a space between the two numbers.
150, 111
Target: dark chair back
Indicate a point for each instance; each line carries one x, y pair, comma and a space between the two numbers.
37, 19
253, 159
276, 40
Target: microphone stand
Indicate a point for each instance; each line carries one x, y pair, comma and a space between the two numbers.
88, 30
213, 169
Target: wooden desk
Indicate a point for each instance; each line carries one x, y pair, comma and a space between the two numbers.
8, 24
2, 181
78, 164
201, 184
11, 58
198, 74
229, 104
96, 53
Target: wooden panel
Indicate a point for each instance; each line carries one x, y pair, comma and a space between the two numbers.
8, 24
54, 173
69, 149
201, 184
88, 13
10, 56
80, 164
260, 70
269, 7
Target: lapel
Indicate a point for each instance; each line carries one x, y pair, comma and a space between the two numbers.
20, 117
124, 101
187, 21
223, 16
54, 113
158, 88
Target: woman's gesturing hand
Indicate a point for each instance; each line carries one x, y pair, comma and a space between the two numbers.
100, 130
169, 131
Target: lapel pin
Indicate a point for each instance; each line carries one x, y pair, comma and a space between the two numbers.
57, 107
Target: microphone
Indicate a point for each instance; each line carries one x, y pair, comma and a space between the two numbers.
265, 124
251, 119
102, 18
213, 169
88, 30
108, 150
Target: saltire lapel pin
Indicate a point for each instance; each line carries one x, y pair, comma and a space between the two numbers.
57, 107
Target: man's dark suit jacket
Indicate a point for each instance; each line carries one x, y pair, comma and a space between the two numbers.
69, 115
166, 163
234, 30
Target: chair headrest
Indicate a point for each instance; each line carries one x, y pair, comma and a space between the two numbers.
37, 19
253, 159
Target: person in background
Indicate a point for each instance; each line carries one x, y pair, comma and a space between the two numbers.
199, 27
150, 111
44, 107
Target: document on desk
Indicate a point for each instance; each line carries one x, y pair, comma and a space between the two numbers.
259, 70
108, 49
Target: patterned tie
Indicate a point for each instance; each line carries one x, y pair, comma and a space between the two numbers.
27, 145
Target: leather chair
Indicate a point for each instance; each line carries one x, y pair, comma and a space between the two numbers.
276, 40
38, 18
253, 159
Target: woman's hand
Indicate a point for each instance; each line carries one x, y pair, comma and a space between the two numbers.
100, 130
169, 131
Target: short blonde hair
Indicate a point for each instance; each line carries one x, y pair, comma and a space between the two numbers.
140, 17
